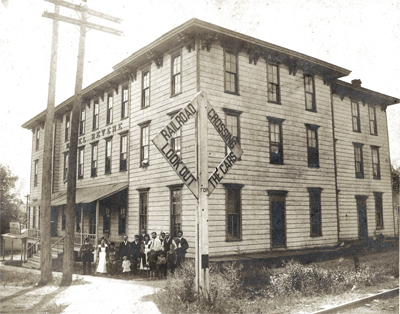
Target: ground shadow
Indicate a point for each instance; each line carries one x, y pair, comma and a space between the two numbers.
17, 294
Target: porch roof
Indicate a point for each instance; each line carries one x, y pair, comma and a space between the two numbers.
87, 194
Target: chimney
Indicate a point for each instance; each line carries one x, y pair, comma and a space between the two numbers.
356, 83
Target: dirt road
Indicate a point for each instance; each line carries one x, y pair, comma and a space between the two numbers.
89, 294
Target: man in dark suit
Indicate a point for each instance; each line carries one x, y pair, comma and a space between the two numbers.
135, 251
125, 248
86, 253
142, 235
181, 247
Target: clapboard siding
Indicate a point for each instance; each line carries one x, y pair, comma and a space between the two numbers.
348, 184
254, 169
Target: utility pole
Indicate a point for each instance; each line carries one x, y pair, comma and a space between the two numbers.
68, 259
45, 228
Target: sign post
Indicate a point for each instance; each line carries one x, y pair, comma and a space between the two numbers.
201, 187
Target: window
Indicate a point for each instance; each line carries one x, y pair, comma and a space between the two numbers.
143, 205
110, 100
63, 218
277, 208
144, 145
355, 112
233, 211
123, 152
34, 217
35, 180
80, 163
92, 219
176, 142
372, 120
378, 210
358, 157
312, 145
67, 127
231, 78
124, 103
37, 138
106, 218
145, 88
78, 218
93, 166
273, 83
310, 92
315, 211
82, 122
96, 114
176, 210
232, 122
176, 75
66, 155
122, 219
376, 169
275, 140
108, 156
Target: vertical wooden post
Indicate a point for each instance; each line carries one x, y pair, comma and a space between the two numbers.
45, 224
97, 227
68, 260
202, 159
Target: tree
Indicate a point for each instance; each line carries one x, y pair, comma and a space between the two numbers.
11, 206
395, 173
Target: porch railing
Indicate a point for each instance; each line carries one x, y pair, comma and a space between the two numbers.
34, 233
80, 238
58, 247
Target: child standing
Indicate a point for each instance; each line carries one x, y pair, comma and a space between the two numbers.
171, 258
126, 266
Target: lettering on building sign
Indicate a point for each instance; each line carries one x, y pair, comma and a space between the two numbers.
234, 147
162, 142
98, 134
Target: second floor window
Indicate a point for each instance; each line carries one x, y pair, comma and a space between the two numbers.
65, 175
372, 120
80, 163
35, 180
376, 168
275, 140
144, 146
312, 145
273, 83
123, 152
145, 88
355, 112
358, 159
108, 156
231, 77
96, 114
124, 103
37, 138
93, 166
310, 92
176, 75
67, 127
82, 122
110, 100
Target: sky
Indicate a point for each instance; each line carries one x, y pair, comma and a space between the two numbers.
361, 36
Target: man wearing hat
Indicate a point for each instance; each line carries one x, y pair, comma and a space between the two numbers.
135, 250
86, 253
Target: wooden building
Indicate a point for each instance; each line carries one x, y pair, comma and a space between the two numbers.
315, 169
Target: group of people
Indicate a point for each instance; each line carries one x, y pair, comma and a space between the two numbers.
158, 254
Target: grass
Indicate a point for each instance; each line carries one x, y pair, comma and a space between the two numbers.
235, 288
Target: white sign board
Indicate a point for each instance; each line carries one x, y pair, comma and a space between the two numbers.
163, 139
231, 142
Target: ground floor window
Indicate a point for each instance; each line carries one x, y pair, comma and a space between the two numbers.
315, 211
176, 209
92, 219
378, 210
63, 218
277, 207
143, 208
233, 211
106, 218
122, 219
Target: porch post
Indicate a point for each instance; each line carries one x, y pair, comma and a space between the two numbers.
97, 227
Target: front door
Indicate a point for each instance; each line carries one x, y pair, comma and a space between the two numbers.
53, 220
362, 218
278, 221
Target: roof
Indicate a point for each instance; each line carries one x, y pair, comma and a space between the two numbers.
184, 35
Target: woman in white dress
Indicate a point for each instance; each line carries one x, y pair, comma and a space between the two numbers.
101, 267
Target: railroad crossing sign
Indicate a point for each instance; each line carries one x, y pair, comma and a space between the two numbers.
163, 138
